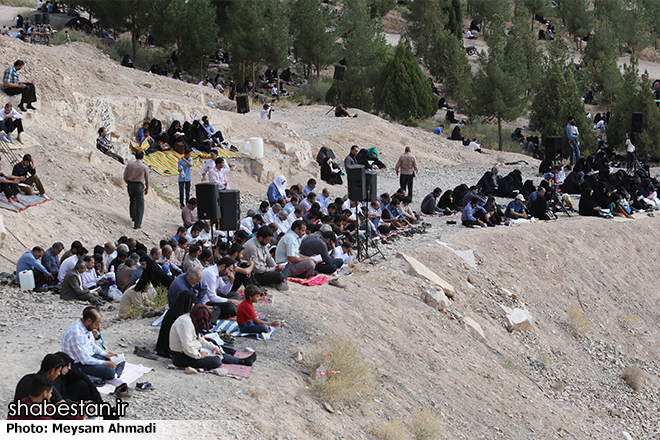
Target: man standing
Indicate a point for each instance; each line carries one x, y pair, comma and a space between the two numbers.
288, 252
79, 343
25, 167
218, 174
104, 145
573, 140
406, 167
210, 164
136, 176
351, 158
30, 261
12, 85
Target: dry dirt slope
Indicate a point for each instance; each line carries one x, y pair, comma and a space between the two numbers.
423, 358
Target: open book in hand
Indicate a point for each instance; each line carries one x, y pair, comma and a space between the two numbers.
118, 359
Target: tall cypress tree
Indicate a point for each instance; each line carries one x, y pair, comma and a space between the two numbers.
277, 39
557, 98
246, 37
363, 42
600, 63
403, 92
500, 84
314, 36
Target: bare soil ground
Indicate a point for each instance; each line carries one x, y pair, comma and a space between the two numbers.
561, 379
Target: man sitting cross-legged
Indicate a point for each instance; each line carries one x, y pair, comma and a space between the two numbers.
79, 343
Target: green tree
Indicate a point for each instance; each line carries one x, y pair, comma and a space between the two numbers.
635, 97
557, 98
629, 19
483, 11
500, 84
578, 19
426, 20
190, 25
540, 7
378, 8
246, 36
452, 9
134, 16
403, 92
363, 47
448, 63
277, 39
314, 36
528, 39
600, 62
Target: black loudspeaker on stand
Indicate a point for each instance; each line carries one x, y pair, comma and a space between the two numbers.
230, 209
339, 73
357, 184
554, 146
207, 201
372, 185
638, 120
242, 104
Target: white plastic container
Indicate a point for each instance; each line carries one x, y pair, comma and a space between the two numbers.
26, 280
256, 148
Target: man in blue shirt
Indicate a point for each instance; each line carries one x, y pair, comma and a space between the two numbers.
191, 280
516, 209
215, 135
473, 215
573, 140
50, 260
30, 261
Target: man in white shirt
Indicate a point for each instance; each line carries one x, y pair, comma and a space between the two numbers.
474, 146
282, 222
210, 164
266, 112
291, 205
109, 254
218, 293
218, 174
70, 263
273, 212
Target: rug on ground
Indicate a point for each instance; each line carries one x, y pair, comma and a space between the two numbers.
131, 373
25, 202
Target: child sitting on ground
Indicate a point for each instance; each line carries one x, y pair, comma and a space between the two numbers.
246, 317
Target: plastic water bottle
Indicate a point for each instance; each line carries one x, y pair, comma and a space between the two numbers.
321, 373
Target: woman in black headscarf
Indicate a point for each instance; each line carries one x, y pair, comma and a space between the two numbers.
191, 136
73, 384
183, 304
126, 61
156, 131
447, 203
587, 205
175, 127
496, 216
200, 137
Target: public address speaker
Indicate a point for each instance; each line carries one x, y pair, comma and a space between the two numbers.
339, 73
242, 104
554, 146
357, 185
638, 120
207, 201
372, 185
230, 209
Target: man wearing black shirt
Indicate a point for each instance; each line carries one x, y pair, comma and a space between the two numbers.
25, 168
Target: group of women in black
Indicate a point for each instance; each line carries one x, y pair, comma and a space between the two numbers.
194, 136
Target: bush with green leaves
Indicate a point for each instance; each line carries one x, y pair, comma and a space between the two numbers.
403, 92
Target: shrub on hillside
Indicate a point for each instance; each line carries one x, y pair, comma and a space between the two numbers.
403, 92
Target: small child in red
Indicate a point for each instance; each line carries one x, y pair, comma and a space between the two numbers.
246, 317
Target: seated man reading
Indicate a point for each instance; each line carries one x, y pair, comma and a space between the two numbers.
12, 85
26, 168
516, 208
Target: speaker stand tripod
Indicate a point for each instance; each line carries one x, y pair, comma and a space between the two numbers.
363, 244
